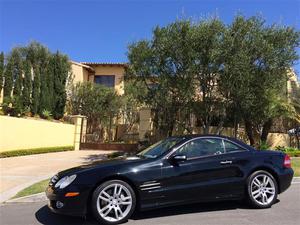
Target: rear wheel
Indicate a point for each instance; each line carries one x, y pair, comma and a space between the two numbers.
113, 202
262, 189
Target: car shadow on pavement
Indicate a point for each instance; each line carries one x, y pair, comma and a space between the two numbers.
46, 217
189, 209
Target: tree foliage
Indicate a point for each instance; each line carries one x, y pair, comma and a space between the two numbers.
99, 103
1, 70
257, 59
35, 79
27, 88
220, 73
163, 64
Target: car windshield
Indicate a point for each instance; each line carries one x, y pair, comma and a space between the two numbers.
160, 147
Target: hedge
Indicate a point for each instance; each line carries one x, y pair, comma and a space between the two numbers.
293, 154
33, 151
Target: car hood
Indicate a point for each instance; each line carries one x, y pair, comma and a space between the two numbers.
101, 164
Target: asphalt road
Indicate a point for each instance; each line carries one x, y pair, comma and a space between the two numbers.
285, 212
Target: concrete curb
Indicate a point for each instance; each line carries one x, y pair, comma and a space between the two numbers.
296, 180
40, 197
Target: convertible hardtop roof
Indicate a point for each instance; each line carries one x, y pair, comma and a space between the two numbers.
191, 136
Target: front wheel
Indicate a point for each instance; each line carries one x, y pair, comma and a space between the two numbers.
113, 202
262, 189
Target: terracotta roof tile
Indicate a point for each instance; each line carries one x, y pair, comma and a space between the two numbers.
105, 63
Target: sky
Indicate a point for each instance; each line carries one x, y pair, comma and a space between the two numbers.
101, 30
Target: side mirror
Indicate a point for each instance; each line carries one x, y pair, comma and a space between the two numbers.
178, 158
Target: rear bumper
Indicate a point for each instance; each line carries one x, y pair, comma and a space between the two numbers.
285, 179
73, 206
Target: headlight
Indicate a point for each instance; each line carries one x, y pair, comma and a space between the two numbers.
65, 181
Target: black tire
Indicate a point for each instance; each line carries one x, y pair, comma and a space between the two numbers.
251, 199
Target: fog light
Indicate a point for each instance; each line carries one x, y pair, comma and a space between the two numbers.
59, 204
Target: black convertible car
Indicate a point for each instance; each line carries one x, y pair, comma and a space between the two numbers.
177, 170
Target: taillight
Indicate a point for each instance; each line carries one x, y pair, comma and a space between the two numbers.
287, 162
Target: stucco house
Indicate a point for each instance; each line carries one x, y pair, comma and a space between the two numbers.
107, 74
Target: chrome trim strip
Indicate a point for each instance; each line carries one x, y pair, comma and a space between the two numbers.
150, 188
147, 185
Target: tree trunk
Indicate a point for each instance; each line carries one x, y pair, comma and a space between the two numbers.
110, 127
205, 129
249, 131
235, 125
171, 123
266, 129
220, 127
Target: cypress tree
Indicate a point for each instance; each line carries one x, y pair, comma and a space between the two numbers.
35, 91
61, 72
44, 93
36, 80
50, 83
8, 79
26, 97
1, 70
44, 103
17, 74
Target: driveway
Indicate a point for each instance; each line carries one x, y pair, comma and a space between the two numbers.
284, 212
16, 173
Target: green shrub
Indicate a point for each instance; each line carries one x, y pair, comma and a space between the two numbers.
293, 152
12, 106
46, 114
33, 151
264, 146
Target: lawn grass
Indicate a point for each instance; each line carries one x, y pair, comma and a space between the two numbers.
33, 189
296, 166
33, 151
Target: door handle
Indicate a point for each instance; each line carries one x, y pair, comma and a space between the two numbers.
226, 162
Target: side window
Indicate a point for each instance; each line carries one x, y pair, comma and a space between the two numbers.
202, 147
106, 80
230, 147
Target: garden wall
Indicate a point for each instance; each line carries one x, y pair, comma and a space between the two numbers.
278, 139
20, 133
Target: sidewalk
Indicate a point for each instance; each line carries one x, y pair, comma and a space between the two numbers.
16, 173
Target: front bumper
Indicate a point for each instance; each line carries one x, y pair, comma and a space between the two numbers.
74, 206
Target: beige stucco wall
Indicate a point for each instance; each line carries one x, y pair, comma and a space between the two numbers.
80, 73
19, 133
118, 71
145, 122
278, 139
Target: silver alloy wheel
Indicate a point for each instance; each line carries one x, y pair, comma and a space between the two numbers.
262, 189
114, 202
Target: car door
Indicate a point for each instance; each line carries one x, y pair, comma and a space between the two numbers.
237, 159
205, 175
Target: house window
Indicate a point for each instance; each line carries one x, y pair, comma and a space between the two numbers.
106, 80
